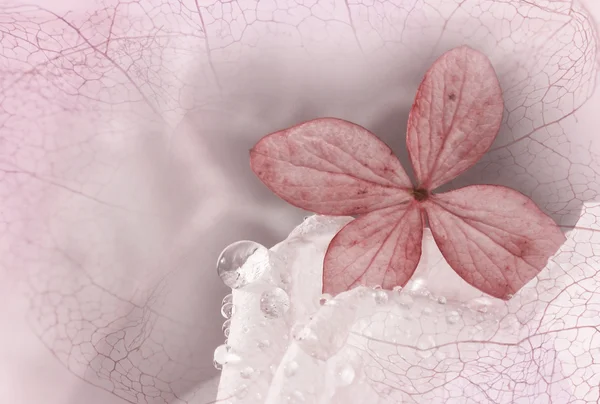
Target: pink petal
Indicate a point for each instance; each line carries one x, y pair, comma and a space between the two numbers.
380, 248
330, 166
494, 237
455, 117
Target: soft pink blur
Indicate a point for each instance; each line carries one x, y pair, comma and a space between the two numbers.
124, 137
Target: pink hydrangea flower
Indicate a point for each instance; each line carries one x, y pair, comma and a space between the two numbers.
494, 237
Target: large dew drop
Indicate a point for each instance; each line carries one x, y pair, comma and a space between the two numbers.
227, 310
242, 263
223, 355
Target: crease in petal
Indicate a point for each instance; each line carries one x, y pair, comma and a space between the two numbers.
494, 237
455, 117
330, 166
382, 247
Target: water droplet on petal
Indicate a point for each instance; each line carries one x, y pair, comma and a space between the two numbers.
301, 332
227, 299
274, 303
377, 287
380, 296
442, 300
345, 375
225, 328
453, 317
291, 368
227, 310
264, 343
324, 298
242, 263
397, 289
223, 355
241, 391
247, 372
217, 365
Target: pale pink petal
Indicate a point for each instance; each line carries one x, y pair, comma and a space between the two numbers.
330, 166
455, 117
494, 237
380, 248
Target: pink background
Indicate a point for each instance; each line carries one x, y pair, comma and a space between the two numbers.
124, 132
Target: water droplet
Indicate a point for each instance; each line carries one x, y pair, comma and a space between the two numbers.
305, 217
242, 263
223, 355
480, 304
264, 343
227, 310
300, 332
442, 300
324, 298
397, 289
217, 365
345, 375
225, 328
274, 303
509, 296
377, 287
453, 317
380, 296
291, 368
258, 396
245, 329
296, 397
227, 299
247, 372
241, 391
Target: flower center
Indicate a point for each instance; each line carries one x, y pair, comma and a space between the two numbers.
420, 194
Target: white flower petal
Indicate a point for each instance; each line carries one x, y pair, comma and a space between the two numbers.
438, 340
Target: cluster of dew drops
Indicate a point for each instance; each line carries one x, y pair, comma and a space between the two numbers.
239, 266
237, 271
